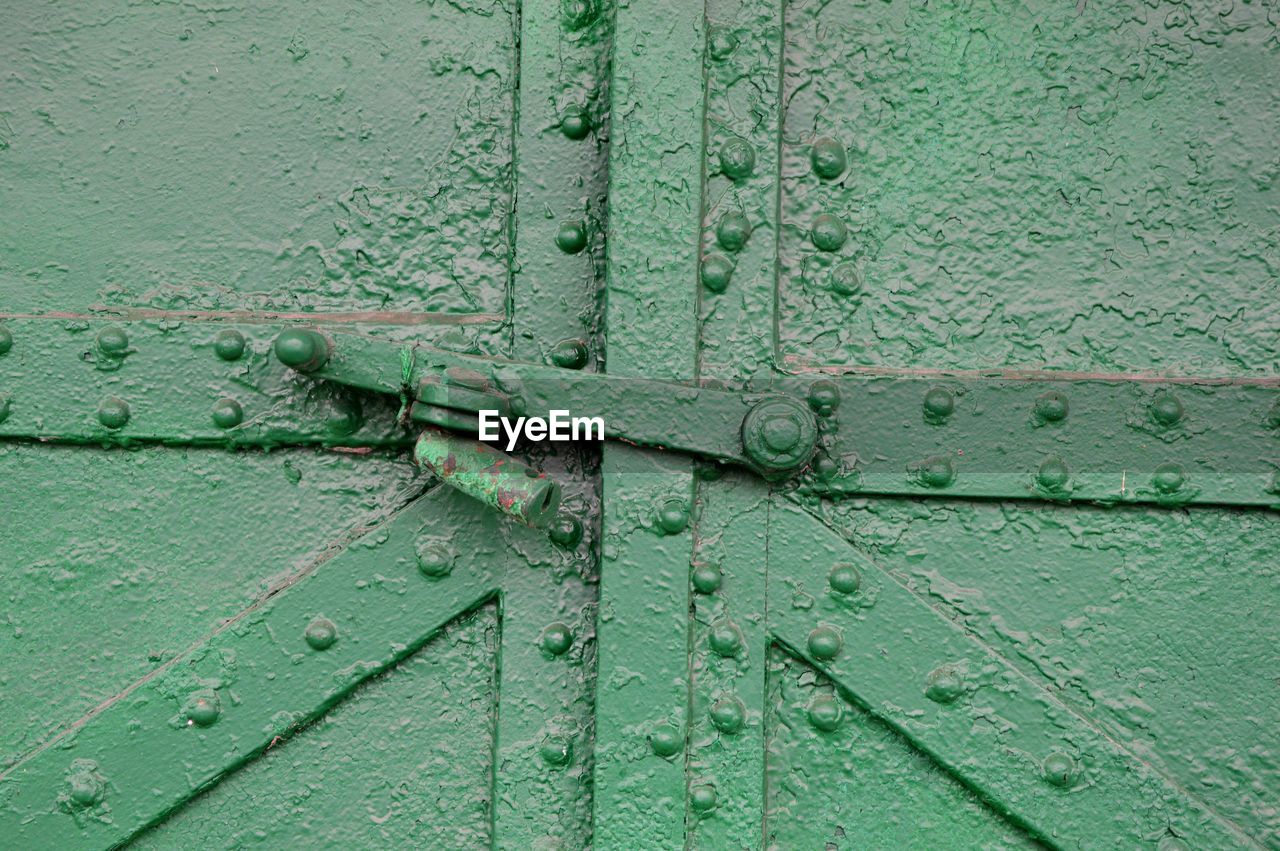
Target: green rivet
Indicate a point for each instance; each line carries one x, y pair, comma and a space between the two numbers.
556, 750
85, 789
1166, 410
565, 532
1168, 478
578, 14
828, 158
321, 633
825, 643
344, 416
716, 272
1273, 416
737, 158
702, 799
1059, 769
825, 713
828, 233
434, 559
203, 709
6, 340
938, 405
673, 516
725, 639
824, 397
944, 685
575, 123
936, 472
779, 435
733, 231
303, 349
1053, 474
825, 468
569, 354
571, 238
227, 413
706, 578
1051, 407
557, 638
113, 412
728, 715
721, 42
844, 579
845, 280
666, 741
113, 341
229, 344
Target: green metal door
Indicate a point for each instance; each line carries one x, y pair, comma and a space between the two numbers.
937, 340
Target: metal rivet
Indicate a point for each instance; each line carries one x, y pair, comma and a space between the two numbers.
725, 639
673, 516
565, 532
936, 472
229, 344
706, 578
721, 42
434, 559
1168, 478
828, 233
702, 798
845, 280
569, 354
571, 238
1051, 407
666, 741
1053, 474
779, 434
575, 123
944, 685
1166, 410
728, 715
556, 750
938, 405
737, 158
344, 415
825, 643
716, 271
556, 639
824, 397
321, 633
302, 349
6, 340
203, 709
86, 787
733, 231
844, 579
113, 341
828, 158
227, 413
113, 412
1059, 769
825, 713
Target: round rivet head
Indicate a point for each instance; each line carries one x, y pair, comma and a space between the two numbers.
828, 158
737, 158
1166, 410
113, 341
321, 634
556, 639
936, 472
227, 413
844, 579
673, 516
302, 349
828, 233
825, 468
575, 123
706, 578
434, 559
944, 685
702, 798
1051, 407
666, 741
725, 639
229, 344
1059, 769
779, 435
113, 412
6, 340
721, 42
939, 404
565, 531
569, 354
845, 280
716, 271
825, 643
825, 713
1168, 478
85, 787
1053, 474
203, 709
571, 237
733, 231
824, 397
728, 715
556, 750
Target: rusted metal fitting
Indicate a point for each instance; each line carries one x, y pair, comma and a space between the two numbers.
491, 476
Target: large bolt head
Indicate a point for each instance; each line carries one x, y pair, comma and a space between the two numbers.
303, 349
779, 435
